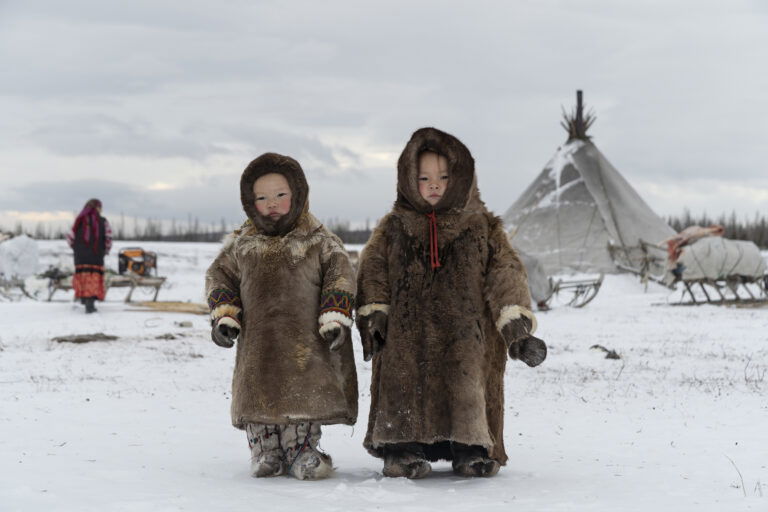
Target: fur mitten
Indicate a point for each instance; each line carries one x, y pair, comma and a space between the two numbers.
521, 345
337, 336
376, 333
224, 332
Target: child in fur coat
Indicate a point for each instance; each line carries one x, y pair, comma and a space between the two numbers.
283, 286
442, 300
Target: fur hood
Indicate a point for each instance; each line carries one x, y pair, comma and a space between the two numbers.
294, 174
461, 199
461, 169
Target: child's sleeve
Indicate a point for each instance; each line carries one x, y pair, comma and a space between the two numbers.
337, 298
373, 293
222, 287
506, 282
373, 290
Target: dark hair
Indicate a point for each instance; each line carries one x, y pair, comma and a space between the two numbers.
93, 203
427, 148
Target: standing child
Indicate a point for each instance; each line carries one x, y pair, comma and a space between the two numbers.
283, 286
442, 300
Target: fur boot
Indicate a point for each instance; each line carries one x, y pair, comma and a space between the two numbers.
305, 461
267, 457
406, 461
473, 461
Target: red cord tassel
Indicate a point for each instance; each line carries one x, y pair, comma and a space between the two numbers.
434, 256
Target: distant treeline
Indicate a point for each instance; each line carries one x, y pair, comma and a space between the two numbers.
141, 230
744, 228
342, 229
154, 230
164, 231
754, 229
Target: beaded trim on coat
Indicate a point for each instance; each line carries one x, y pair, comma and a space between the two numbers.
338, 301
221, 296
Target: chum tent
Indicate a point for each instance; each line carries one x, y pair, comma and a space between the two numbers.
578, 206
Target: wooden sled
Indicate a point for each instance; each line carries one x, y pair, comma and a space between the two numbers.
132, 281
582, 291
734, 290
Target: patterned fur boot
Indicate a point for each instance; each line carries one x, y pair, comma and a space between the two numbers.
473, 461
406, 461
266, 454
305, 461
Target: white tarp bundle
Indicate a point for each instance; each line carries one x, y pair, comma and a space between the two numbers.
578, 205
18, 258
719, 258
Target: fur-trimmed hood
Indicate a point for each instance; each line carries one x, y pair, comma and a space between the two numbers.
461, 171
294, 174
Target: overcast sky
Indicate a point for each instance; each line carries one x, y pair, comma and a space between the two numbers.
156, 107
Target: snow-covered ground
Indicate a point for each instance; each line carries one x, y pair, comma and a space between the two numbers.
142, 423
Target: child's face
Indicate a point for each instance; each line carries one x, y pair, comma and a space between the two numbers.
433, 176
273, 195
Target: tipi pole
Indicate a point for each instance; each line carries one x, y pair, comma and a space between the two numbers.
580, 111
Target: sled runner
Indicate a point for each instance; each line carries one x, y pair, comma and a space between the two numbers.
582, 291
543, 288
731, 290
133, 282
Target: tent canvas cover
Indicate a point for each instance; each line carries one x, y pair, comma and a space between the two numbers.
576, 207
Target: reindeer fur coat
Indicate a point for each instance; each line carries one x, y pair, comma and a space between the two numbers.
283, 283
439, 376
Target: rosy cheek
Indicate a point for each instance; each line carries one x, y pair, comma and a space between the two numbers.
285, 205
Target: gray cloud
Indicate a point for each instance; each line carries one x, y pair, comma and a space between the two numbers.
105, 135
98, 134
210, 199
341, 85
72, 195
